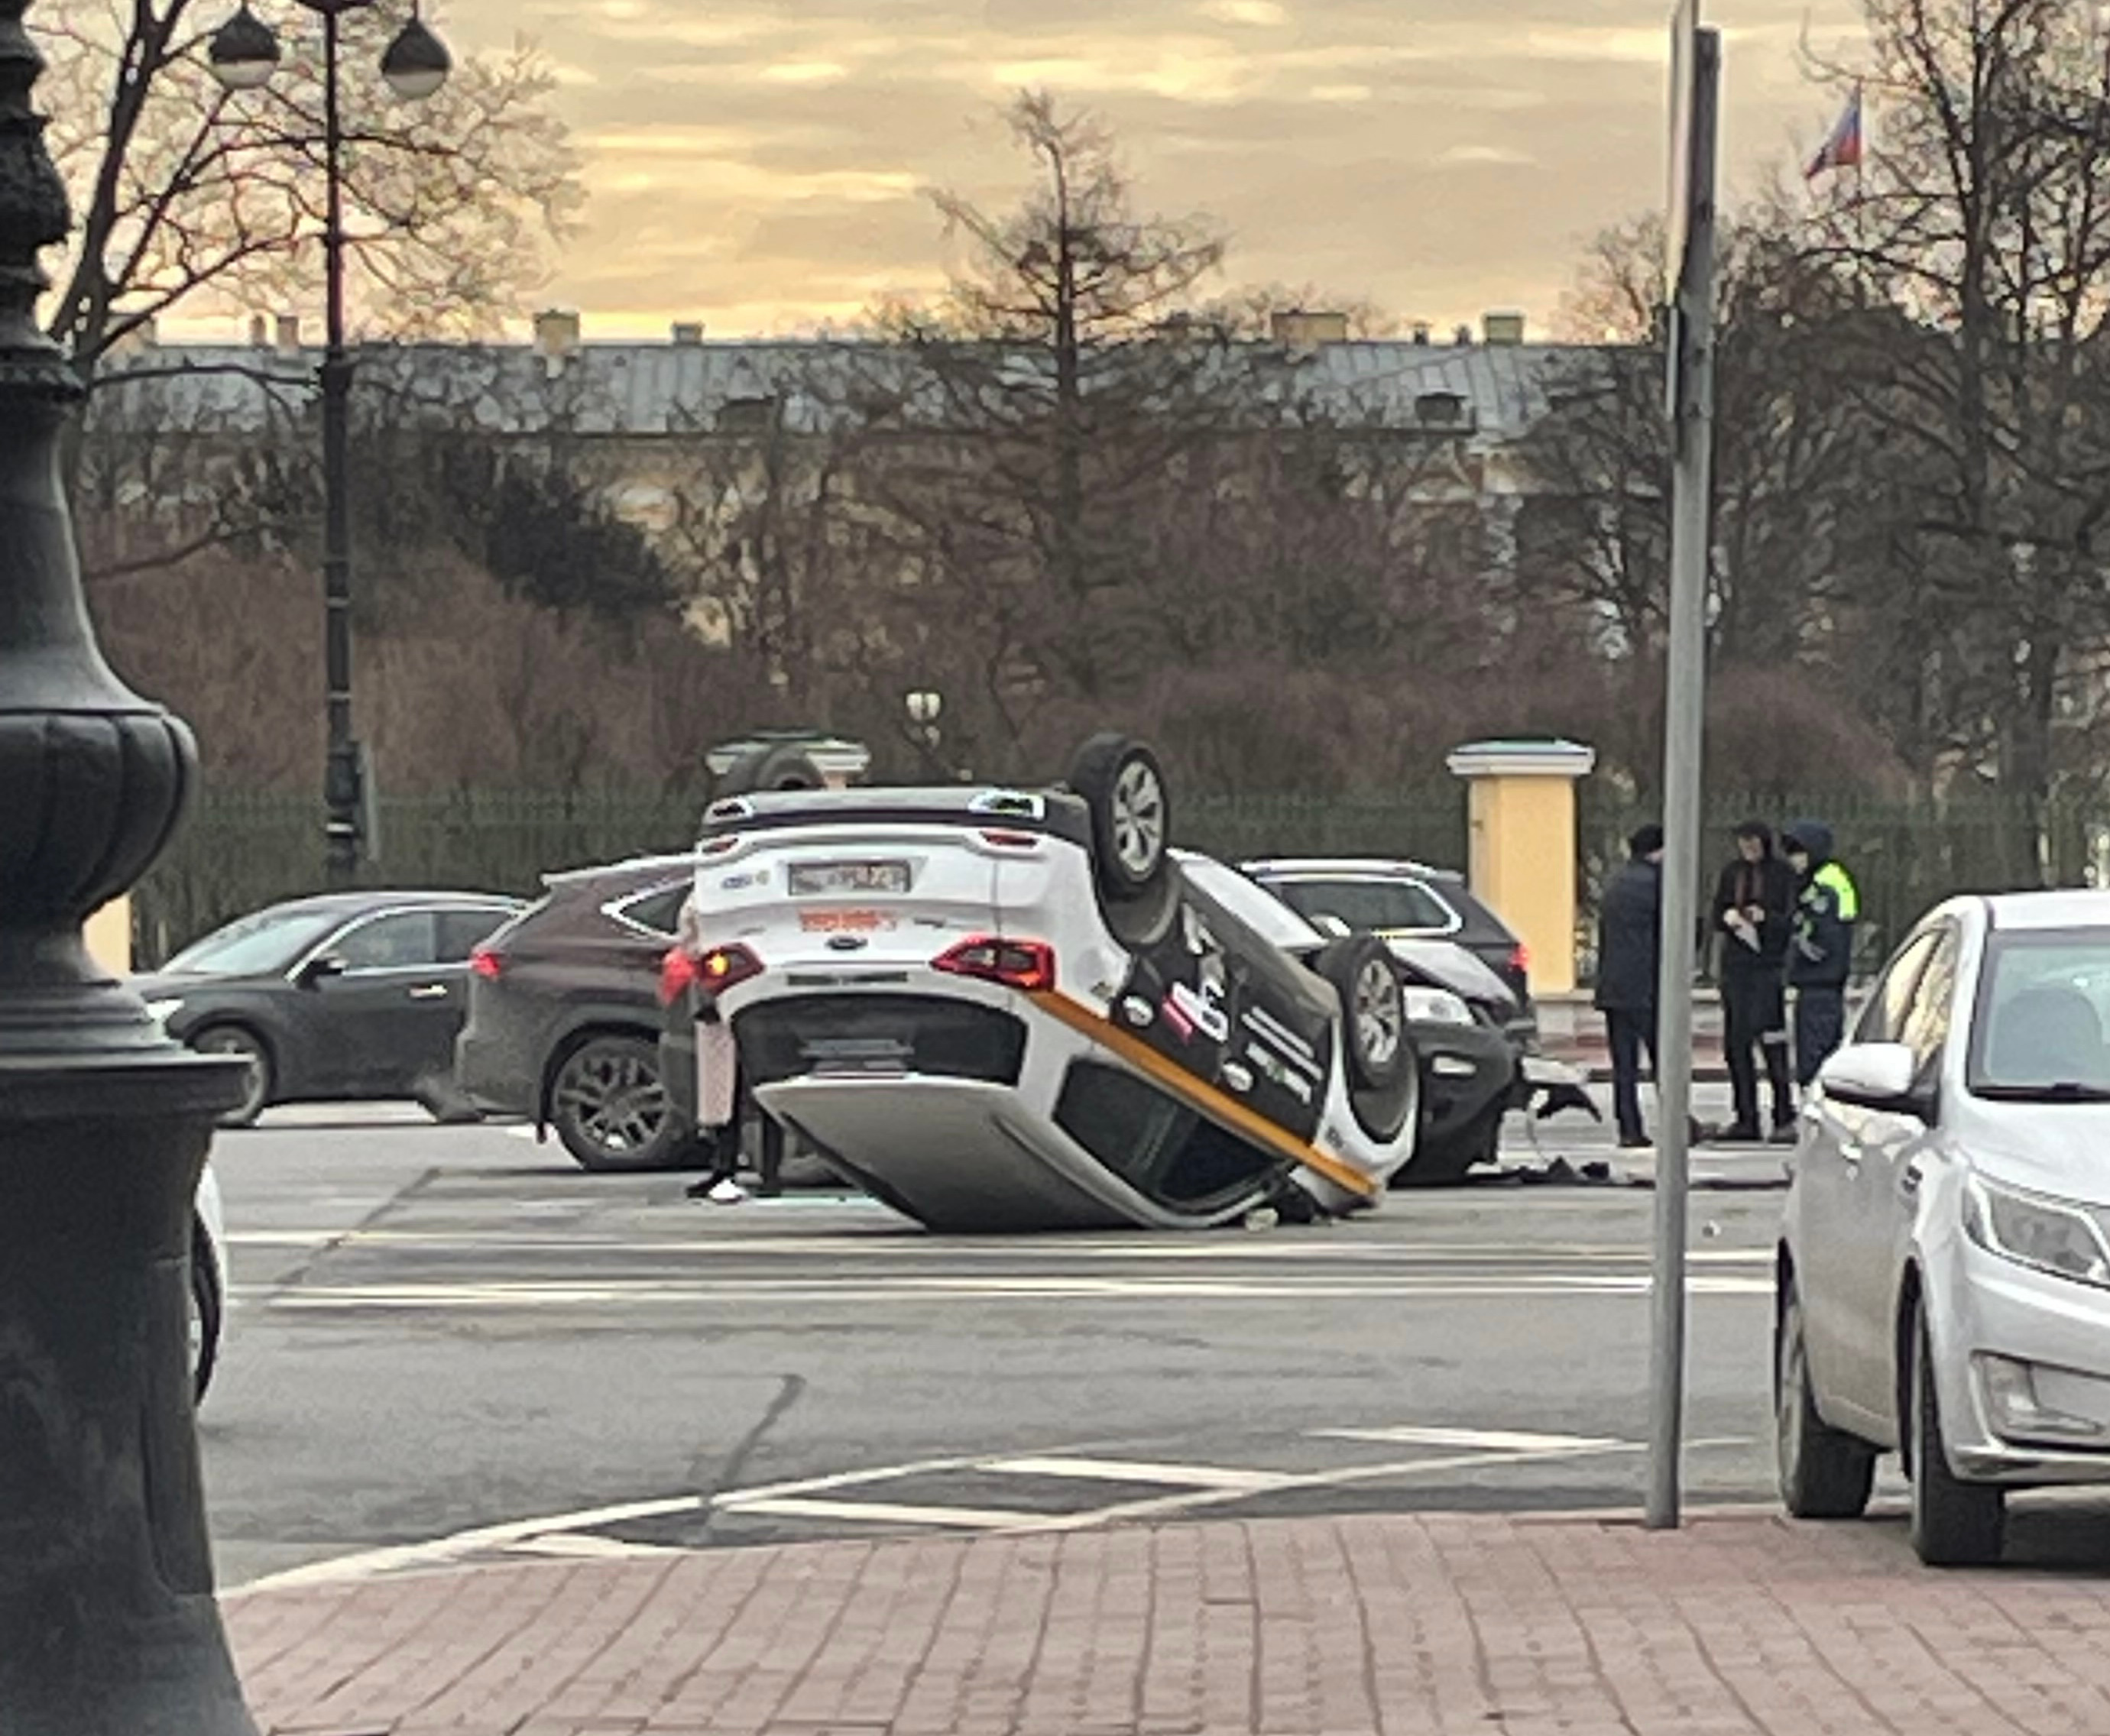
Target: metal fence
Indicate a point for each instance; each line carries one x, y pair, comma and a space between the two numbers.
236, 852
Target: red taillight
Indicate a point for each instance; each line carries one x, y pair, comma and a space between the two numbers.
713, 971
486, 963
1520, 958
1011, 840
1028, 965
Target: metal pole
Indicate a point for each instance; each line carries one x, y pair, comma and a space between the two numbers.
341, 793
107, 1622
1692, 334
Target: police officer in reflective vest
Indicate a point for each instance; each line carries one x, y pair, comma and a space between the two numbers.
1821, 954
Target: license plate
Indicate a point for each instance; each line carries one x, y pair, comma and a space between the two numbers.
832, 879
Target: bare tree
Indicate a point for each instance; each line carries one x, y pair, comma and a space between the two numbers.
188, 196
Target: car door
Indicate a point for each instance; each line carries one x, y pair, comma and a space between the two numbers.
389, 1008
1829, 1162
1884, 1181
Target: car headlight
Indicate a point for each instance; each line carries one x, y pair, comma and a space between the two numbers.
161, 1011
1436, 1006
2049, 1235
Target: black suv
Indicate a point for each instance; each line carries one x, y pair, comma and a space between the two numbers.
1401, 899
563, 1015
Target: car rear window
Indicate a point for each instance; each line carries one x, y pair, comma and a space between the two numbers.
1368, 904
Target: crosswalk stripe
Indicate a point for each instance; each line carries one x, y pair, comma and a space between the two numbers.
1135, 1471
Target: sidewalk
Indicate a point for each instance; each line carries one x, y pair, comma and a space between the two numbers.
1421, 1625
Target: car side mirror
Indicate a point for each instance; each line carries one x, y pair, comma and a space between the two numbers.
317, 970
1876, 1075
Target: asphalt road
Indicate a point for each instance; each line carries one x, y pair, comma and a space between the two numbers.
448, 1342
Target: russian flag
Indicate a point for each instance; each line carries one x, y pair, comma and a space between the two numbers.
1842, 150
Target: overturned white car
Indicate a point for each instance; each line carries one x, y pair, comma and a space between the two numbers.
1007, 1009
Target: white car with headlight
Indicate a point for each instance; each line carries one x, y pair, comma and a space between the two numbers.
1021, 1009
1944, 1267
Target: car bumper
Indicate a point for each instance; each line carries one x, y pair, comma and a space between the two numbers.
497, 1074
1465, 1070
2023, 1358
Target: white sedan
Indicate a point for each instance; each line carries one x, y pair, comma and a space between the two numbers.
1945, 1265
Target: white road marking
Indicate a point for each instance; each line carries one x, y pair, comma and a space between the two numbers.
1135, 1471
588, 1546
1493, 1441
888, 1512
438, 1551
629, 1292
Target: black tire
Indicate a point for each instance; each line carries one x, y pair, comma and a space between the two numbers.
1123, 786
203, 1282
238, 1039
610, 1108
781, 767
1445, 1163
1954, 1524
444, 1101
1822, 1473
1373, 1010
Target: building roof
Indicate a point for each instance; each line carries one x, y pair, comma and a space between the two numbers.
655, 389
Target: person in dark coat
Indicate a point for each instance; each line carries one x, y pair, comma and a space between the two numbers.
1821, 951
1754, 912
1629, 946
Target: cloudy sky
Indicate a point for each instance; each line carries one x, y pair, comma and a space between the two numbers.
762, 165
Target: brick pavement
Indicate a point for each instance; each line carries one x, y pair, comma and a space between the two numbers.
1410, 1625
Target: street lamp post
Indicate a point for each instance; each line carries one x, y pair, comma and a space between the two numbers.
243, 56
108, 1626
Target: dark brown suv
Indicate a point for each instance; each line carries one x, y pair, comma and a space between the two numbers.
563, 1018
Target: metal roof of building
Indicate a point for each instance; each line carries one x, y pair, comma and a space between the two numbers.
655, 389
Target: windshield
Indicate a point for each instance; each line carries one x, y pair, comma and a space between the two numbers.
255, 946
1368, 904
2044, 1008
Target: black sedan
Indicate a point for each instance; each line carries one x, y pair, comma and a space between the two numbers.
331, 999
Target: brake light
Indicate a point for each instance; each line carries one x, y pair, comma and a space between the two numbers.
1520, 958
718, 845
1011, 840
1027, 965
713, 971
486, 963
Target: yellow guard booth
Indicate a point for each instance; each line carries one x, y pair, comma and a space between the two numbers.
109, 935
1521, 805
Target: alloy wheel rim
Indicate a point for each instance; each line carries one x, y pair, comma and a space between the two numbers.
1139, 817
616, 1101
228, 1043
1377, 1013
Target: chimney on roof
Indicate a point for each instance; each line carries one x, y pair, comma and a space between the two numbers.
1296, 328
1463, 338
689, 332
1421, 333
1503, 328
260, 332
289, 334
556, 338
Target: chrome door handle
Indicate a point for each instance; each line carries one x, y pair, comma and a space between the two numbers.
430, 991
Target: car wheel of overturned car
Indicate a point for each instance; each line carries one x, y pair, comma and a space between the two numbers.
610, 1109
1954, 1524
1123, 786
781, 767
204, 1313
1444, 1163
1373, 1010
1823, 1474
239, 1040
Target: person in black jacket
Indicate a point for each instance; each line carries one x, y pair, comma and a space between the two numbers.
1754, 912
1629, 945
